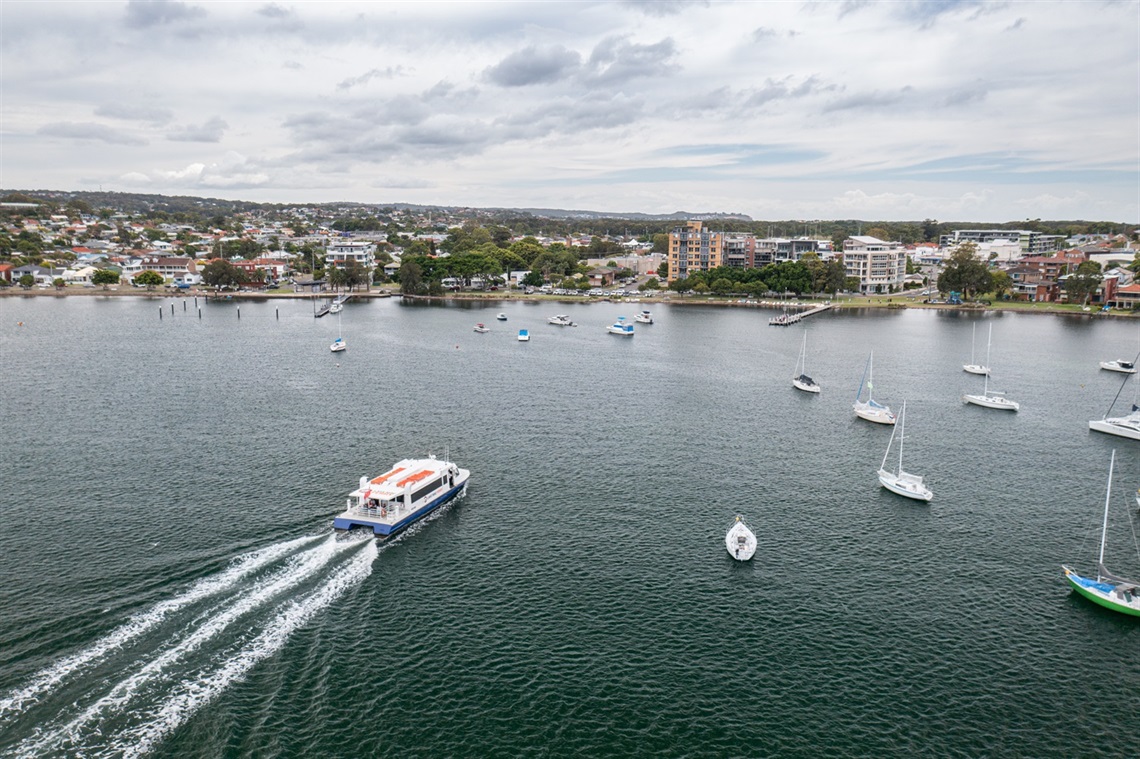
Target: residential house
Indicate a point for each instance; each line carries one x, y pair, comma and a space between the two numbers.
603, 276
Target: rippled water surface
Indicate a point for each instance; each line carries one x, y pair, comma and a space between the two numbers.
171, 585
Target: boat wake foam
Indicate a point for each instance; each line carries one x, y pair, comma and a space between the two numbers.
157, 697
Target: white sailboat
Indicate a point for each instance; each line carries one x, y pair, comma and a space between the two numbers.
971, 367
1121, 426
869, 409
1107, 590
802, 381
740, 541
901, 482
339, 344
994, 399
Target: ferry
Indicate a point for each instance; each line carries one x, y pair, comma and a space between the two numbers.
403, 495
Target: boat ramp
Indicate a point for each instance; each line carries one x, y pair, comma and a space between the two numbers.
786, 319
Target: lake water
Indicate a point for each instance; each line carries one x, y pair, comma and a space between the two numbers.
171, 586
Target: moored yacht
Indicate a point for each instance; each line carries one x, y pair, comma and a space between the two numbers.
740, 541
480, 327
562, 320
406, 493
1121, 426
1119, 365
644, 317
524, 336
621, 327
338, 345
501, 317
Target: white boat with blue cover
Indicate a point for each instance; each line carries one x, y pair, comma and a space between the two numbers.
870, 409
524, 336
621, 327
403, 495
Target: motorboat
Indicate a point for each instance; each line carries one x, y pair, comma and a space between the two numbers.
971, 367
336, 307
740, 541
903, 483
406, 493
644, 317
562, 320
621, 327
338, 345
501, 317
802, 381
870, 409
524, 336
1119, 365
1107, 590
481, 328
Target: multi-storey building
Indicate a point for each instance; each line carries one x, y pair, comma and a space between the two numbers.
740, 250
775, 250
1031, 242
693, 248
340, 252
879, 266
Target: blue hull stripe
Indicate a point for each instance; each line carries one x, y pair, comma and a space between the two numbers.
384, 530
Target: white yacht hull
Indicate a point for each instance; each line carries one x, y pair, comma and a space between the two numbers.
1121, 427
904, 486
975, 369
873, 414
804, 386
1116, 366
740, 542
992, 401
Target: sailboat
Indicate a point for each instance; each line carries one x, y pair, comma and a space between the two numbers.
339, 344
991, 398
1107, 590
740, 541
801, 381
905, 484
869, 409
1122, 426
971, 367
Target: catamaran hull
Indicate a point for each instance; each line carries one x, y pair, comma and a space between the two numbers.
1107, 427
383, 531
1086, 587
986, 401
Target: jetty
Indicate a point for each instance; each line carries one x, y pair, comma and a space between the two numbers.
786, 320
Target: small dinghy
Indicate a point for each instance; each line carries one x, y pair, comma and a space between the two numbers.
740, 541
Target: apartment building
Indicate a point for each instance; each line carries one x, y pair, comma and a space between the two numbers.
1031, 243
340, 252
693, 248
879, 266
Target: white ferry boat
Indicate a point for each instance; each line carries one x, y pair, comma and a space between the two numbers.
406, 493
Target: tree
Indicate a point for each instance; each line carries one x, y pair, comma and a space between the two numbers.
355, 274
58, 283
105, 277
1002, 283
663, 270
1081, 284
533, 279
221, 273
149, 278
964, 273
411, 278
660, 243
27, 281
651, 284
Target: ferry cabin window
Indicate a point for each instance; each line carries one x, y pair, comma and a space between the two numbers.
425, 490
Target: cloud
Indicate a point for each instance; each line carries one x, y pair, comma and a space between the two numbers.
762, 33
211, 131
273, 10
533, 65
147, 13
664, 8
233, 171
402, 183
869, 100
355, 81
1015, 25
89, 131
616, 59
295, 65
145, 113
783, 89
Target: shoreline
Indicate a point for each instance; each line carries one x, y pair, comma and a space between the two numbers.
886, 303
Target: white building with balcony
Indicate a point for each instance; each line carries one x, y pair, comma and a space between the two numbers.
340, 252
879, 266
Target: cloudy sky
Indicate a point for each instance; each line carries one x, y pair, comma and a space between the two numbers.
947, 109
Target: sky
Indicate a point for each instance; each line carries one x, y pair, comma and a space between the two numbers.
904, 110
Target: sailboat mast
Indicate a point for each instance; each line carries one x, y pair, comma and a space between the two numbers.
888, 451
973, 339
1104, 526
859, 394
902, 435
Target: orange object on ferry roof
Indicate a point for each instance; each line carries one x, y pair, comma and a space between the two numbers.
386, 475
415, 477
